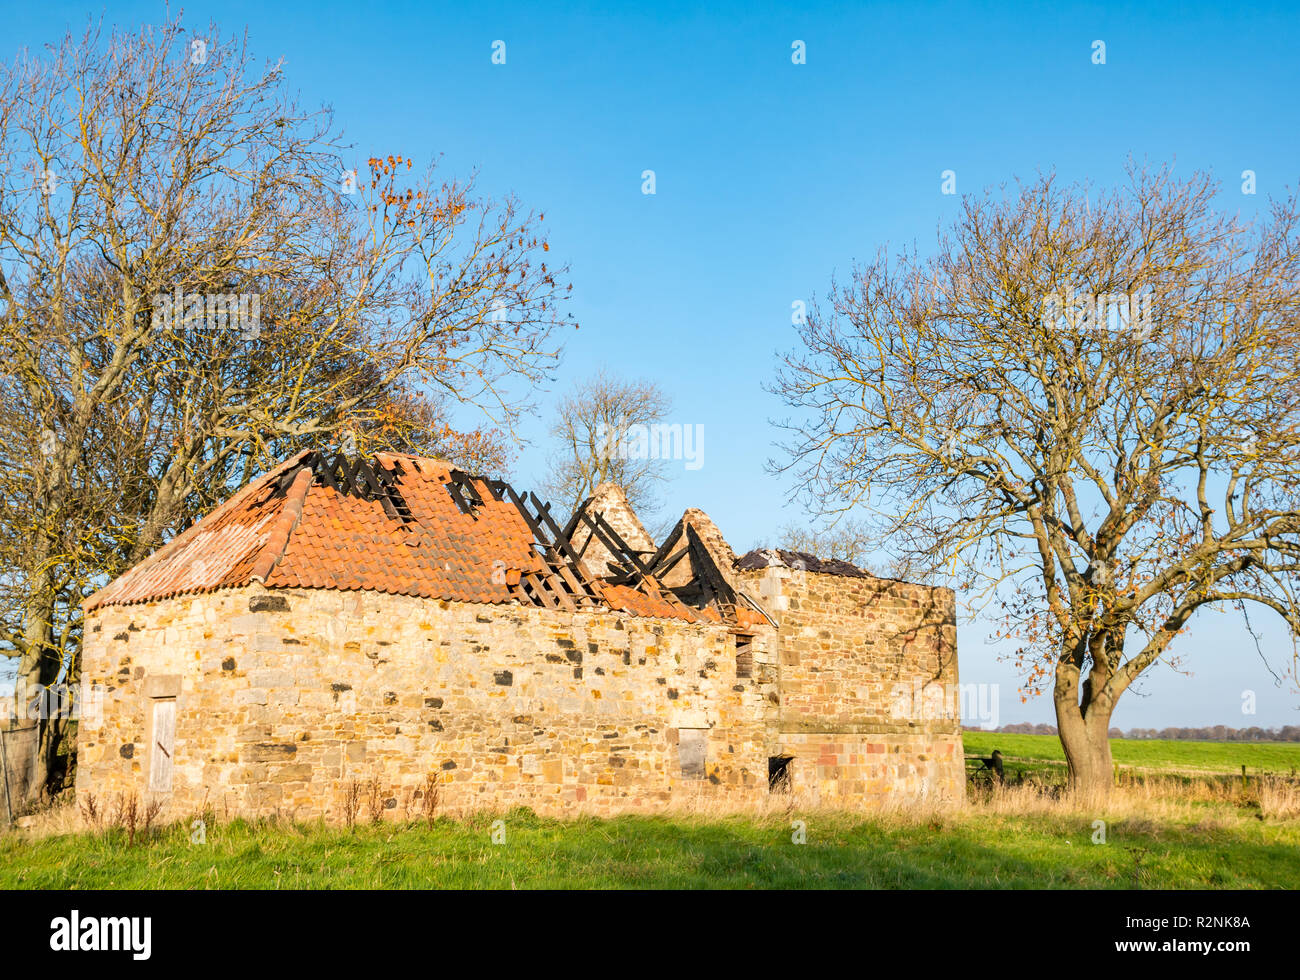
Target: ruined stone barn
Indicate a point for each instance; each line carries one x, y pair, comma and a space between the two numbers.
369, 623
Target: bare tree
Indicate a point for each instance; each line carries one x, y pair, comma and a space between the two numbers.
595, 428
1084, 407
194, 283
846, 540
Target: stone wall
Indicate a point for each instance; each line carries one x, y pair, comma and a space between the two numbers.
867, 673
283, 698
279, 701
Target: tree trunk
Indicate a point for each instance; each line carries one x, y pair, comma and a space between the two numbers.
1084, 730
39, 669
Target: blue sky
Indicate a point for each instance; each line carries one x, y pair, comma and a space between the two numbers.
771, 177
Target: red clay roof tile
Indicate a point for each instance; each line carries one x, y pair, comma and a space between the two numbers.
291, 529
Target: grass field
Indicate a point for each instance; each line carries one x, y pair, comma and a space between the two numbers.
1166, 830
1015, 838
1282, 758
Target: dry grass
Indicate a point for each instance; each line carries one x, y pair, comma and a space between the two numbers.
1142, 806
137, 817
1158, 833
430, 795
1279, 799
375, 800
351, 802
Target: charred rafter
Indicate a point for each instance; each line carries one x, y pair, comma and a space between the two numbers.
707, 585
362, 478
706, 571
629, 565
559, 580
463, 491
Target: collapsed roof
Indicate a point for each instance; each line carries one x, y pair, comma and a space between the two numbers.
409, 525
761, 558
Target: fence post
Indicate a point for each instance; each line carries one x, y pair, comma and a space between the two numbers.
1243, 778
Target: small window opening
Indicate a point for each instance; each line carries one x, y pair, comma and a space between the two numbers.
778, 773
744, 656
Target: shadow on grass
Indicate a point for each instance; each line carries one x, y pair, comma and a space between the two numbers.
521, 850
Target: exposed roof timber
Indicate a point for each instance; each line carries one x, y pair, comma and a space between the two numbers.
669, 541
406, 525
753, 604
707, 570
359, 478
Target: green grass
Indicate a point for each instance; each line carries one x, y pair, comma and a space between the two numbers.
970, 849
1214, 840
1221, 757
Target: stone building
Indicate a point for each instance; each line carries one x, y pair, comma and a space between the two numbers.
373, 622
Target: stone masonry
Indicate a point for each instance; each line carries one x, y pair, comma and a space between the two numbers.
252, 699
